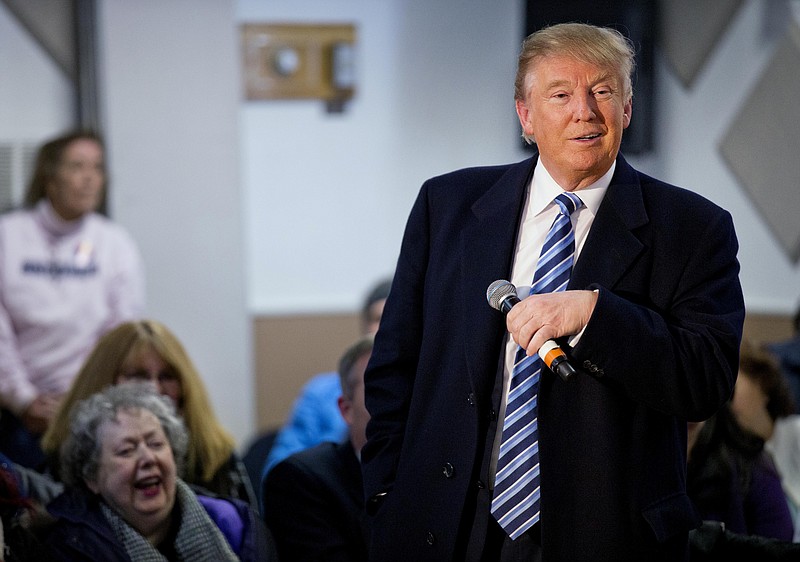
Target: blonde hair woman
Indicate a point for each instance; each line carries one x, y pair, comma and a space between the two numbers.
146, 350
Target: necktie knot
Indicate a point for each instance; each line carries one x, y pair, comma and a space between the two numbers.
568, 203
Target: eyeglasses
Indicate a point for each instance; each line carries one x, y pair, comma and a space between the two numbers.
161, 377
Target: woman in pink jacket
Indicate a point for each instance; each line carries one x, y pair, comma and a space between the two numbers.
67, 274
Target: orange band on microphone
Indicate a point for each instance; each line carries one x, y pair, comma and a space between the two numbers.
551, 356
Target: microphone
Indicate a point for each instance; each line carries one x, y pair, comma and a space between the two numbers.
502, 296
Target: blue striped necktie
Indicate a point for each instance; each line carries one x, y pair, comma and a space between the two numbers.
515, 503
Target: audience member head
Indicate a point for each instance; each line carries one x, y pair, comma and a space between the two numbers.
372, 310
147, 351
70, 172
762, 393
351, 403
718, 444
126, 445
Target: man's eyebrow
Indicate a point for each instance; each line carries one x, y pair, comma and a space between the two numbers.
599, 78
556, 84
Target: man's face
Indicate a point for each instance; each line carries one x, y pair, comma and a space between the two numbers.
353, 409
373, 318
576, 112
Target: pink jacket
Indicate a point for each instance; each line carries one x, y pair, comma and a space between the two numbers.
62, 284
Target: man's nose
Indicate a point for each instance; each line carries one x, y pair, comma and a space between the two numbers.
584, 106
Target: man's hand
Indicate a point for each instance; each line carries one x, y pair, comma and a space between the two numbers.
40, 412
539, 318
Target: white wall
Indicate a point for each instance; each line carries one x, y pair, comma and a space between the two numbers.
328, 195
171, 94
691, 124
28, 75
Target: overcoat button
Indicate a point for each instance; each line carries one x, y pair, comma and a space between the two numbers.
448, 470
471, 399
587, 364
430, 538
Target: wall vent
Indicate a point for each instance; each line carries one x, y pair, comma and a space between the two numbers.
16, 166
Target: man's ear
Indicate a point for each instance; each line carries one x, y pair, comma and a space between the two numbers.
346, 409
523, 113
627, 112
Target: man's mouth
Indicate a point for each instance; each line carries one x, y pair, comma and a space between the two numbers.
588, 137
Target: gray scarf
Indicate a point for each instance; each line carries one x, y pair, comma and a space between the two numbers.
198, 539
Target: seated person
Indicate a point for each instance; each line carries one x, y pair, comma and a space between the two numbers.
121, 464
147, 350
315, 416
762, 394
785, 449
17, 513
313, 500
763, 403
787, 352
34, 485
732, 479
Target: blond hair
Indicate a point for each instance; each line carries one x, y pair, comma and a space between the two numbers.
210, 445
601, 46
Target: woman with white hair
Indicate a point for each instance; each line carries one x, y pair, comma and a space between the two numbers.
125, 500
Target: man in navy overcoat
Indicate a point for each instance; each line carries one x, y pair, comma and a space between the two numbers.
652, 321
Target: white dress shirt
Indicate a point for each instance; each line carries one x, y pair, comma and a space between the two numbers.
537, 217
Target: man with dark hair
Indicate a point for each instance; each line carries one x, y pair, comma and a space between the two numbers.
315, 416
314, 499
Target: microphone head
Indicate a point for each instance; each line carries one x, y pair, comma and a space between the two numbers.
498, 291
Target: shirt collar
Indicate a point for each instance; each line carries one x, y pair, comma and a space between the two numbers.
547, 189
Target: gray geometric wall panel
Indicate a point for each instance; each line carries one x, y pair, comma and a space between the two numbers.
761, 147
689, 31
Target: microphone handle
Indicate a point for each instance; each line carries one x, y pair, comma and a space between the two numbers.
508, 303
556, 360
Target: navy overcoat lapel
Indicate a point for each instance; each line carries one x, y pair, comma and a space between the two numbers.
487, 248
612, 246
